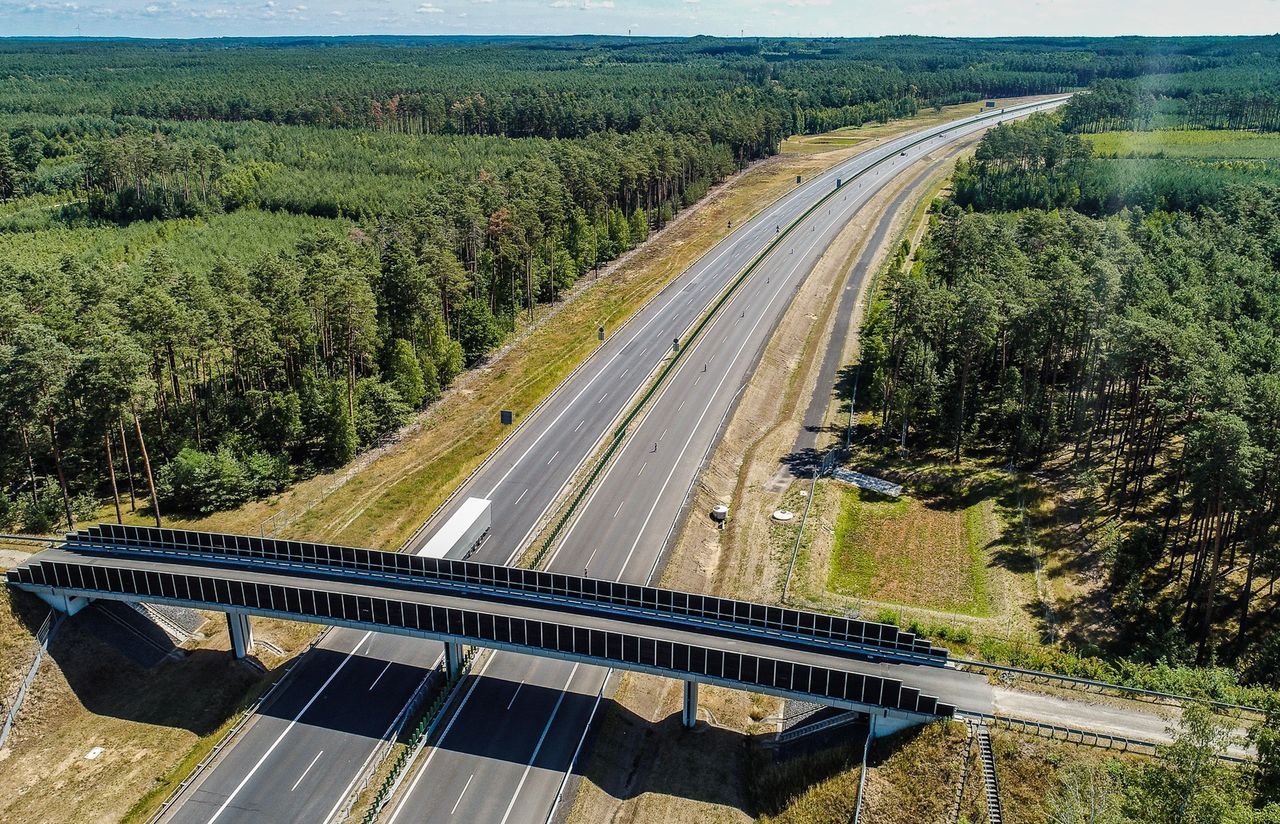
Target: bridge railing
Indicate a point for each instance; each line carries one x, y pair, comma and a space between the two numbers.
528, 584
208, 589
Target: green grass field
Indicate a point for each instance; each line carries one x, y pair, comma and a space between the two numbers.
1192, 143
242, 237
913, 553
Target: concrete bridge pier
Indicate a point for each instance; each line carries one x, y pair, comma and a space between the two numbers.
689, 716
452, 659
241, 634
67, 604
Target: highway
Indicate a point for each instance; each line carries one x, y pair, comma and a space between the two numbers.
620, 533
511, 757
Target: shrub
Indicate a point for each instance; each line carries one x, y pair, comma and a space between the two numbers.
206, 482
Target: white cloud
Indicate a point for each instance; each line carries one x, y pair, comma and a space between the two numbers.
185, 18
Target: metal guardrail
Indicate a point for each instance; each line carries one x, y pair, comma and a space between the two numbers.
380, 752
828, 460
43, 635
862, 773
957, 801
1075, 681
421, 735
1076, 735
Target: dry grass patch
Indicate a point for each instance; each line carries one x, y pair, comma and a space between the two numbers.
913, 775
1031, 770
19, 620
811, 789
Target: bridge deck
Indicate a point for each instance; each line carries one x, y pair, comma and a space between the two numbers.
698, 652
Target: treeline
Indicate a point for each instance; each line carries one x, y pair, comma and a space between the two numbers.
1217, 100
237, 377
1141, 347
747, 94
218, 386
464, 183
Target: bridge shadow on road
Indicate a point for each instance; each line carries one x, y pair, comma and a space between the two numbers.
626, 755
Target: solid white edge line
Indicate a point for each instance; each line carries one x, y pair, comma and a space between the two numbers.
385, 735
577, 751
457, 713
541, 740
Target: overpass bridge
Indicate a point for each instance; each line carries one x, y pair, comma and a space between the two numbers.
837, 661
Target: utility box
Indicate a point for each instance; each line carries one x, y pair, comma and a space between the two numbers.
508, 417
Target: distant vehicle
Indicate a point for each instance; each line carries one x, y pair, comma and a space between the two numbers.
465, 530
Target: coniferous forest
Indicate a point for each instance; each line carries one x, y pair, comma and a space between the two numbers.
1113, 321
227, 263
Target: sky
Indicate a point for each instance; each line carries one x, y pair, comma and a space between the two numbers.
845, 18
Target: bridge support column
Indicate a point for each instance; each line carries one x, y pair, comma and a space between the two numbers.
241, 634
69, 604
689, 717
452, 659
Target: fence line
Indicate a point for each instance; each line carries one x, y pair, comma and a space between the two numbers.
43, 635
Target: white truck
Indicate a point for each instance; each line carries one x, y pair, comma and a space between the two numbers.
465, 530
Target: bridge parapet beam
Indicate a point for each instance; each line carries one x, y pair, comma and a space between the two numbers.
689, 715
241, 634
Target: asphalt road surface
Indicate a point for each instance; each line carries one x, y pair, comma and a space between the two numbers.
510, 766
